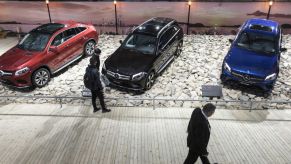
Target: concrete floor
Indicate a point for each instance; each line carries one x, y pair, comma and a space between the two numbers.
47, 133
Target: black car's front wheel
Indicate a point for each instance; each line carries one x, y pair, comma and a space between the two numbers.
89, 48
40, 77
150, 80
179, 49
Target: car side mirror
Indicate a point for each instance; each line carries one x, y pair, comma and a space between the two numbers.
120, 41
230, 40
53, 49
283, 49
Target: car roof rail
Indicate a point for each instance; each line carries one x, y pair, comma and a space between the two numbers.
143, 23
166, 26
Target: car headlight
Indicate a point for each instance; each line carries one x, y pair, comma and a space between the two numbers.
227, 67
21, 71
271, 77
138, 76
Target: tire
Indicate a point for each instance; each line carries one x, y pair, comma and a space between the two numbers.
40, 77
150, 80
89, 48
179, 49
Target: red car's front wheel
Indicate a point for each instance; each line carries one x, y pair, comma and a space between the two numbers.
40, 77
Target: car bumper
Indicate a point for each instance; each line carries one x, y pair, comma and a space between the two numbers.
17, 81
125, 84
265, 85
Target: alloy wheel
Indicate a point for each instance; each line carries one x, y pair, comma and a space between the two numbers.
41, 77
150, 80
89, 49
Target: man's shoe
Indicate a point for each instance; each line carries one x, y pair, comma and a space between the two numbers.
105, 110
95, 110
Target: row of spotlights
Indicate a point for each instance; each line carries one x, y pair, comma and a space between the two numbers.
189, 2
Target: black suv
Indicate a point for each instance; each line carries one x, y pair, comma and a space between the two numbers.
145, 53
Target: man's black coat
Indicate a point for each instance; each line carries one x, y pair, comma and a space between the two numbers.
198, 132
97, 58
95, 75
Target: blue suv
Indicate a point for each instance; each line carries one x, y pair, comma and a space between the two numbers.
254, 55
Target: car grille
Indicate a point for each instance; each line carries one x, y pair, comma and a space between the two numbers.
5, 73
118, 76
247, 77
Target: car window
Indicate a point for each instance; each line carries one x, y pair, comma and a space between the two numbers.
69, 34
143, 43
58, 40
167, 36
34, 41
77, 30
80, 29
257, 42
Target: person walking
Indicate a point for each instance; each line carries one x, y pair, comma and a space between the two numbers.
96, 86
199, 134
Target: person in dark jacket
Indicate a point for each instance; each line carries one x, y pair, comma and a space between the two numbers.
97, 88
96, 56
199, 134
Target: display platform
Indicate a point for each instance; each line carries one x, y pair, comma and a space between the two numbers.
199, 64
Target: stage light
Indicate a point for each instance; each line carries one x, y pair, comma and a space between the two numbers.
269, 11
115, 11
48, 9
189, 10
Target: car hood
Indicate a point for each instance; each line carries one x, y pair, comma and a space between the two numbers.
15, 58
129, 62
256, 63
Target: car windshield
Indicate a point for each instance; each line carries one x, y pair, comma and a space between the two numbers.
34, 41
257, 42
142, 43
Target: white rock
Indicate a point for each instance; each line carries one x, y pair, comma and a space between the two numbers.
244, 98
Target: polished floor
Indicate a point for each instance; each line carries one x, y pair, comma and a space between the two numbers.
46, 133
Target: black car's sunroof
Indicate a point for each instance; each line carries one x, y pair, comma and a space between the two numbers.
261, 28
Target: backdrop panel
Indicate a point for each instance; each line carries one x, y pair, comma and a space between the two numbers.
28, 15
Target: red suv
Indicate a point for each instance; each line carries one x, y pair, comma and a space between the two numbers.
44, 51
